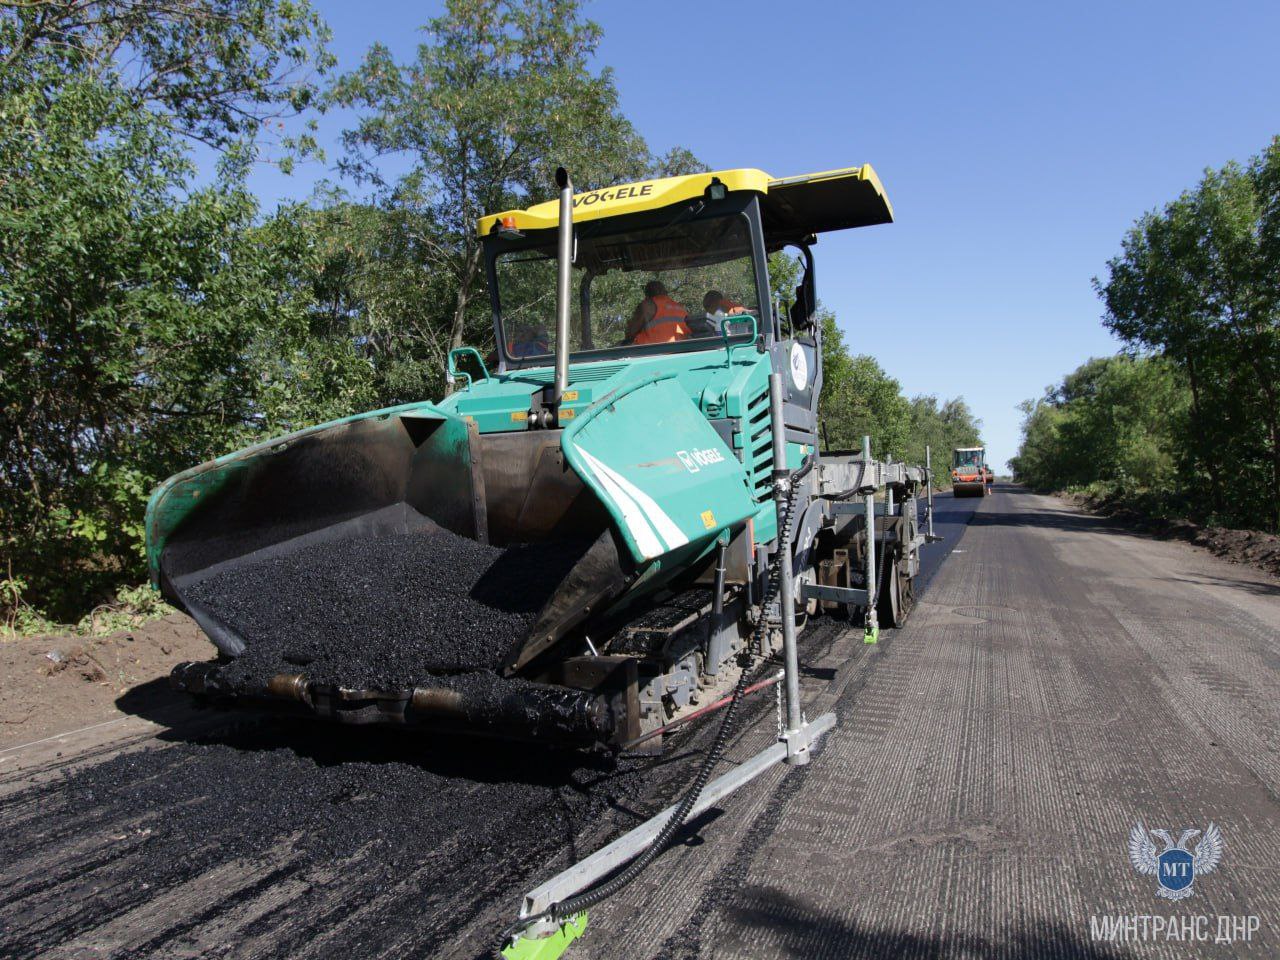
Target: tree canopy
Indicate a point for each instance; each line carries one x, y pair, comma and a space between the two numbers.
218, 71
144, 323
1115, 420
500, 93
1191, 413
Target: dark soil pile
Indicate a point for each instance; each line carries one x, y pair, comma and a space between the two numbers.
1253, 548
384, 612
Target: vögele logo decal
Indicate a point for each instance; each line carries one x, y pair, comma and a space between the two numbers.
695, 460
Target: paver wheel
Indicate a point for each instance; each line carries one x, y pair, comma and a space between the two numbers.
897, 597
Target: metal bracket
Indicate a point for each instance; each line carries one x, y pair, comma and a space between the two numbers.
630, 845
799, 741
817, 591
847, 509
549, 946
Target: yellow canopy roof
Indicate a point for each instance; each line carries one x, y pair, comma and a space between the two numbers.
791, 207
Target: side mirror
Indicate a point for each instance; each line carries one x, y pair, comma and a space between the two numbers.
726, 334
801, 312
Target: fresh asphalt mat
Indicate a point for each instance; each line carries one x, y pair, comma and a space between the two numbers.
383, 611
208, 834
1060, 680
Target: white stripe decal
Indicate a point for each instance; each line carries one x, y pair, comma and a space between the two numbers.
631, 514
665, 526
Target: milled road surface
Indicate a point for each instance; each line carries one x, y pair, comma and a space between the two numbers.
1060, 680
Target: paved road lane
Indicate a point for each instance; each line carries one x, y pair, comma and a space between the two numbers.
951, 516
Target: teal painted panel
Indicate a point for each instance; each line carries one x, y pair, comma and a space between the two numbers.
499, 404
659, 467
174, 500
719, 388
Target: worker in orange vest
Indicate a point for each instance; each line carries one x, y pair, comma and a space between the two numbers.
529, 342
658, 318
716, 304
715, 307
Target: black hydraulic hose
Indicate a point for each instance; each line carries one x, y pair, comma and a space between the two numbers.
874, 599
558, 912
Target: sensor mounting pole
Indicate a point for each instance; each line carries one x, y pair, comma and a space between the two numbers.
795, 735
564, 269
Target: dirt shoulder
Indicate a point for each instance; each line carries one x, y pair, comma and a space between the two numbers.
1252, 548
53, 684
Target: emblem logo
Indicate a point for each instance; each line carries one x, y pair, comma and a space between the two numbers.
695, 460
1176, 868
799, 367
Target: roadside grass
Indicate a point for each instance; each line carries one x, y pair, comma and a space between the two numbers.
130, 608
1157, 505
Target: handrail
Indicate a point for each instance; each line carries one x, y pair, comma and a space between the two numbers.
452, 370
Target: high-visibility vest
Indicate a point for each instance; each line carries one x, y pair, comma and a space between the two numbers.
528, 348
668, 323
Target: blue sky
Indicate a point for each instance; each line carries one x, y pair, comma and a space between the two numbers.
1017, 143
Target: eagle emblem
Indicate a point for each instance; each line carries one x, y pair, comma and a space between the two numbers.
1176, 868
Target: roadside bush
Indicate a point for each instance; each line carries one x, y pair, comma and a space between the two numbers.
145, 327
1113, 426
1195, 285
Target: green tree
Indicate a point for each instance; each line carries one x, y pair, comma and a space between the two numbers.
144, 329
941, 426
1195, 283
219, 71
1118, 422
859, 399
500, 94
375, 287
1036, 463
146, 325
